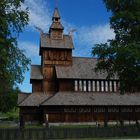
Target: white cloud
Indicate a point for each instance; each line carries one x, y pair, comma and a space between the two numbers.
31, 50
86, 37
95, 34
39, 14
68, 26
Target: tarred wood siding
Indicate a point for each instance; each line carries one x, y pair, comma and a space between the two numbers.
50, 58
31, 114
50, 85
95, 114
36, 86
66, 85
99, 114
57, 57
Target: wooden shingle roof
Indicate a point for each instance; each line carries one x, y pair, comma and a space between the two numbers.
81, 98
56, 13
34, 99
99, 99
56, 25
47, 42
22, 97
36, 72
82, 68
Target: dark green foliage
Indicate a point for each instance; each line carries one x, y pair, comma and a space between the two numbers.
9, 101
13, 61
121, 56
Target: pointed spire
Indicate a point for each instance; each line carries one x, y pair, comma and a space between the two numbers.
56, 24
56, 15
56, 28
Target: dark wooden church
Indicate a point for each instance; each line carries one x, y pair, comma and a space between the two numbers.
67, 89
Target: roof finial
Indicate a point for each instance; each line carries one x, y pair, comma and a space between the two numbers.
39, 29
71, 32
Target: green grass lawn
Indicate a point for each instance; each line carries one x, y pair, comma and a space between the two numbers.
11, 115
8, 119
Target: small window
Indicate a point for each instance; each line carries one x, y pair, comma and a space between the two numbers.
102, 85
93, 85
80, 85
98, 86
76, 85
89, 85
85, 86
56, 19
106, 85
110, 86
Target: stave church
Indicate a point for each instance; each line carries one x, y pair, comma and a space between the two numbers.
66, 89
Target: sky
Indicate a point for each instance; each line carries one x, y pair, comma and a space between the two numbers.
89, 18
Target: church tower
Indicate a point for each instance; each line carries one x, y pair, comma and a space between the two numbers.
55, 49
56, 28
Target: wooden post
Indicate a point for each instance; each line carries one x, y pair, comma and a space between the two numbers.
137, 123
121, 122
100, 86
105, 123
22, 123
78, 88
91, 82
104, 86
120, 117
112, 86
95, 86
87, 86
106, 118
46, 120
82, 85
108, 86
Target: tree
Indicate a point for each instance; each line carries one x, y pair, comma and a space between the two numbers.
121, 56
13, 62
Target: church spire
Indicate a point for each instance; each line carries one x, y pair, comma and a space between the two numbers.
56, 24
56, 15
56, 28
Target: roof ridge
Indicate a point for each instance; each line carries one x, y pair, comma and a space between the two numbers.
47, 99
